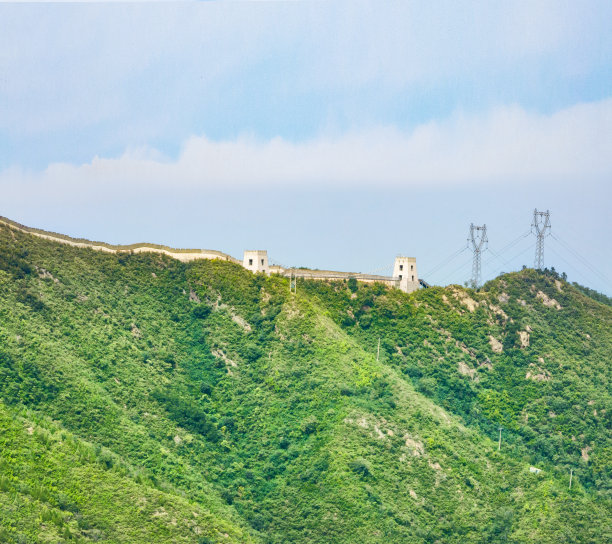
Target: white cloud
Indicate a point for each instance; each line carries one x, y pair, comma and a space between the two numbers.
508, 145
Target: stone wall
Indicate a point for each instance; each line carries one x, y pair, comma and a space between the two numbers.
184, 255
405, 276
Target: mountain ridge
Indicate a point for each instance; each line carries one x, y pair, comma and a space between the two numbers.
180, 254
271, 414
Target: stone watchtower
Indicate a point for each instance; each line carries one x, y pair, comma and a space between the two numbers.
405, 271
256, 261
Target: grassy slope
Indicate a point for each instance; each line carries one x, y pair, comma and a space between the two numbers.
215, 390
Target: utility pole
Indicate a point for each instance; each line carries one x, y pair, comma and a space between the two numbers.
378, 351
499, 444
571, 474
476, 241
541, 227
292, 281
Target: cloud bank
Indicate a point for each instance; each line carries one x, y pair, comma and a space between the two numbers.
79, 80
507, 145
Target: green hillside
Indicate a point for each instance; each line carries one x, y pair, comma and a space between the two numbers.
148, 400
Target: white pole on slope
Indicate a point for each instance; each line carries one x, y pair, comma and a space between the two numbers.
499, 444
571, 475
378, 351
292, 281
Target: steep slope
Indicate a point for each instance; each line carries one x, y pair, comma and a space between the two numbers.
402, 467
215, 392
529, 353
71, 349
55, 487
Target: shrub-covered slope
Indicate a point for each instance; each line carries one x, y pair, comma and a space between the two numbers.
55, 487
528, 352
143, 397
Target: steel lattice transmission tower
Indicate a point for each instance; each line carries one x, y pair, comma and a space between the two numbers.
477, 240
541, 227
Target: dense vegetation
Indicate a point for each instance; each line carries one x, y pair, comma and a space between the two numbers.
147, 400
595, 295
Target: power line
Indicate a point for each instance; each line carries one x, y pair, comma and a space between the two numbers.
576, 270
387, 268
461, 267
504, 249
523, 251
478, 243
510, 245
496, 256
515, 241
565, 261
445, 261
584, 261
457, 270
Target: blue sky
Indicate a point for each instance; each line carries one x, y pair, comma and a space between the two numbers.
335, 135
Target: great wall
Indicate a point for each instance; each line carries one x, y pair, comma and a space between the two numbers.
405, 276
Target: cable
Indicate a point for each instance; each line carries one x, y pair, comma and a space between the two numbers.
508, 246
514, 242
566, 262
378, 271
508, 263
531, 246
576, 270
496, 256
445, 262
581, 272
511, 244
456, 270
581, 258
505, 248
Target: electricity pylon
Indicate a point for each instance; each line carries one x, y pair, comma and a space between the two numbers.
476, 241
541, 227
292, 281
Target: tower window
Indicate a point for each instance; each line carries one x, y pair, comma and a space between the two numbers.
400, 276
411, 267
401, 267
250, 262
412, 278
262, 262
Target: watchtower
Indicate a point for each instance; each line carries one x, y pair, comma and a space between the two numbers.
256, 261
405, 271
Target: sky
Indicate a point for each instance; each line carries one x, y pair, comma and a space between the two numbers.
335, 135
